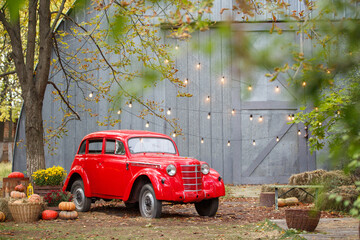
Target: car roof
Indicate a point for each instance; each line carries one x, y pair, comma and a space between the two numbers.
125, 134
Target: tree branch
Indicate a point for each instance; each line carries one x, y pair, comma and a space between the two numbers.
7, 73
58, 16
64, 100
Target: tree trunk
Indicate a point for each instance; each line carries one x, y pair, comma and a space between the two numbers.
34, 132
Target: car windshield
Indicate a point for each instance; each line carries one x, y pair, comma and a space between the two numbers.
151, 145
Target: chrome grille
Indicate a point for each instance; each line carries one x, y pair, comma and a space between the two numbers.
191, 175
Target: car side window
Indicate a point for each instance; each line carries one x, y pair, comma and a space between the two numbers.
82, 147
120, 148
110, 146
95, 146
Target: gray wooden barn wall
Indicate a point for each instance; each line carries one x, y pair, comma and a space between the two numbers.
268, 161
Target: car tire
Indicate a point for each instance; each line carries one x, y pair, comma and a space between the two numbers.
207, 207
82, 203
149, 206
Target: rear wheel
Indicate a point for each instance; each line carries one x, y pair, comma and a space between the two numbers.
149, 206
82, 202
207, 207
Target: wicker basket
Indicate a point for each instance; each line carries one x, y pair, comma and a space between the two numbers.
25, 212
302, 219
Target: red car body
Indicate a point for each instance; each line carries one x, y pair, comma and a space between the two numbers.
112, 176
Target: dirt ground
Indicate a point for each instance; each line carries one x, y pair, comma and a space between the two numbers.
239, 217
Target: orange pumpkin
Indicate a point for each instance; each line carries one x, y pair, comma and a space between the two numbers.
2, 217
68, 215
20, 188
34, 198
49, 214
17, 194
67, 206
281, 202
16, 175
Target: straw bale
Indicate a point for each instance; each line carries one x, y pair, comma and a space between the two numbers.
349, 193
5, 209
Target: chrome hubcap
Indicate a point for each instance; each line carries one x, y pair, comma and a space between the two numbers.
79, 197
148, 203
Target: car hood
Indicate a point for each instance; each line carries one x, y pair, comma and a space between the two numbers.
162, 159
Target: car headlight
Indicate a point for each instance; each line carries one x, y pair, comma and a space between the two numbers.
205, 169
171, 170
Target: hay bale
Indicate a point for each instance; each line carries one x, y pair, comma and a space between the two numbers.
348, 193
306, 178
334, 179
5, 209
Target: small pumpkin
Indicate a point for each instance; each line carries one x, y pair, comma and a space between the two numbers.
20, 188
281, 202
68, 215
16, 175
67, 206
16, 194
2, 217
291, 201
34, 198
49, 214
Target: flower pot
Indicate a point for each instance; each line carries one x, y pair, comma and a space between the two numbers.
43, 190
302, 219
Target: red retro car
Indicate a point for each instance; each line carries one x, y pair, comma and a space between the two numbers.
142, 169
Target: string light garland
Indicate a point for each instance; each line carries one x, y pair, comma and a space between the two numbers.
299, 132
130, 104
260, 118
202, 140
222, 80
147, 124
277, 138
174, 134
277, 89
168, 111
251, 117
228, 143
233, 111
209, 116
186, 81
208, 98
292, 117
91, 94
119, 112
198, 66
254, 143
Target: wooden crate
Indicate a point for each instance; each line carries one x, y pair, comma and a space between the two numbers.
9, 185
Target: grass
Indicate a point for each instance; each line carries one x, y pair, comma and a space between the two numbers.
5, 169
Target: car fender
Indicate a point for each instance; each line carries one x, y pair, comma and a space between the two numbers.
79, 170
155, 177
213, 184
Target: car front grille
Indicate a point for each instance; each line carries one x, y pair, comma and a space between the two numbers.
191, 175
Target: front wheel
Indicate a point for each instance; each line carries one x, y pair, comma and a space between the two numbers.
207, 207
82, 203
149, 206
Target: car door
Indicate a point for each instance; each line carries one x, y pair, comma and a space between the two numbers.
93, 165
114, 173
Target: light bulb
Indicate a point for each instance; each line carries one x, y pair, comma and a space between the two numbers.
208, 98
119, 112
260, 119
316, 109
198, 66
176, 47
328, 71
277, 89
186, 81
130, 104
254, 143
249, 87
202, 140
299, 132
91, 95
223, 79
233, 111
166, 61
320, 123
147, 124
251, 117
277, 138
293, 117
209, 116
289, 117
168, 111
304, 84
174, 134
338, 112
228, 144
